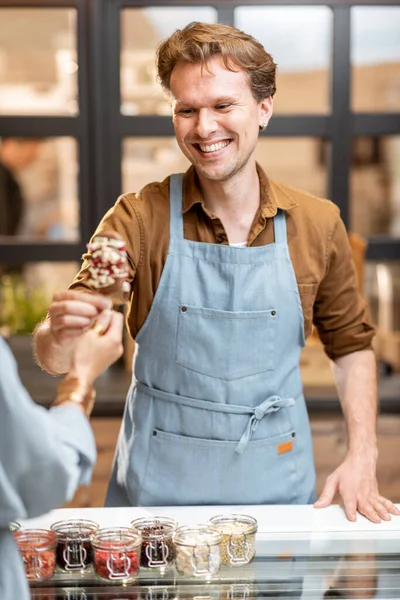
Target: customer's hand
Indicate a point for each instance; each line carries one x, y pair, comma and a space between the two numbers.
98, 348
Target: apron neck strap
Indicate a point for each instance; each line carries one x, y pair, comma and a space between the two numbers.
280, 227
175, 203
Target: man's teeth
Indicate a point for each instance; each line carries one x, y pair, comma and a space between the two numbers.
213, 147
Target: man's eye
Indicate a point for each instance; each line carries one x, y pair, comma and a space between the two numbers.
185, 111
223, 106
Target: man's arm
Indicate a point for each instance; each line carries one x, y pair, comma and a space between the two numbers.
355, 478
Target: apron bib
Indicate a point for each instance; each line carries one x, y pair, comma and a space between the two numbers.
215, 413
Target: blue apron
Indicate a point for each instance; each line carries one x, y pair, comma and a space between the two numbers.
215, 413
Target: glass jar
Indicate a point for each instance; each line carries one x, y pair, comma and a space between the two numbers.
198, 550
38, 551
238, 545
116, 553
74, 550
158, 548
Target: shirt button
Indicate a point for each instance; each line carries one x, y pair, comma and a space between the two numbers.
183, 309
273, 313
220, 239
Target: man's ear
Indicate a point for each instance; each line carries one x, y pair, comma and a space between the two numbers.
266, 109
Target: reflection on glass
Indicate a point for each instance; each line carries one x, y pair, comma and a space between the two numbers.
38, 189
375, 56
38, 61
26, 292
355, 577
375, 186
296, 161
299, 39
150, 159
141, 31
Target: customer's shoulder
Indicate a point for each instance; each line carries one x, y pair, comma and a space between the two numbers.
303, 205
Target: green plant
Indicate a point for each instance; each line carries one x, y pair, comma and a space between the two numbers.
21, 306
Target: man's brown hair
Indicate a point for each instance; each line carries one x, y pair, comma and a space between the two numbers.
199, 42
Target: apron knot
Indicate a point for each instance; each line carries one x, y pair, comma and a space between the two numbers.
270, 405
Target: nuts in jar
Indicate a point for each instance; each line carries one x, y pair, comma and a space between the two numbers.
37, 548
198, 550
238, 545
74, 550
158, 548
117, 553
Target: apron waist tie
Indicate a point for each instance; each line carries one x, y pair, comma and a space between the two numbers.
270, 405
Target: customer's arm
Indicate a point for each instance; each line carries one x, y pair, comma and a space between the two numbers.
45, 455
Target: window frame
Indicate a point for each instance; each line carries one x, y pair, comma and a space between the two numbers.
100, 128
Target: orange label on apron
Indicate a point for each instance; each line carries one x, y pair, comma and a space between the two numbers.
286, 447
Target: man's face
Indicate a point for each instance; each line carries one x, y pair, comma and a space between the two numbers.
216, 118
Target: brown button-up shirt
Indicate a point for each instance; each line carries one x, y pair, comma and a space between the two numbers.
318, 246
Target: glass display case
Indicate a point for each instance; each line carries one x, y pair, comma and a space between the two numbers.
300, 553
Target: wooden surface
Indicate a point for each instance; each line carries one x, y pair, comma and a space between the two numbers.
329, 438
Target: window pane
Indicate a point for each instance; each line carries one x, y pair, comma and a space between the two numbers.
26, 292
38, 189
141, 31
297, 161
375, 56
375, 186
150, 159
299, 39
38, 61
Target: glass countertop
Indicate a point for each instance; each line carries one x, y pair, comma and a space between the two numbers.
310, 566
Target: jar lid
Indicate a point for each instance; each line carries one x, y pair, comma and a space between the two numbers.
14, 526
117, 538
81, 529
155, 527
234, 524
37, 540
198, 535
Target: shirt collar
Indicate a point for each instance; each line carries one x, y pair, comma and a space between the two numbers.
272, 195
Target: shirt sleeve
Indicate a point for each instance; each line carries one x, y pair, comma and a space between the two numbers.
44, 455
341, 315
124, 219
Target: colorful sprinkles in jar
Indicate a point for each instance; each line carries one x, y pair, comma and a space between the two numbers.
158, 548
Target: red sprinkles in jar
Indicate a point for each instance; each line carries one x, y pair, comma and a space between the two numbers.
116, 554
37, 548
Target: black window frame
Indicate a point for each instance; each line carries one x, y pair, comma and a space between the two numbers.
100, 128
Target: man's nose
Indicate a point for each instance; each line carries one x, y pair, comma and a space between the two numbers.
206, 123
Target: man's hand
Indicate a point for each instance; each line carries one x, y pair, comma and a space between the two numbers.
355, 480
71, 313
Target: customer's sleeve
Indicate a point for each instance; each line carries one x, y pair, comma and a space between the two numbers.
44, 455
340, 314
124, 219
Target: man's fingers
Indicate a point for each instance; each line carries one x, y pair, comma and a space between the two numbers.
70, 322
390, 507
96, 300
368, 510
328, 492
350, 508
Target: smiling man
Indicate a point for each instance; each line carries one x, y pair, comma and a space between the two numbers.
228, 272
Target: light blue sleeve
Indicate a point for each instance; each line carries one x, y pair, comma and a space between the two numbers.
44, 455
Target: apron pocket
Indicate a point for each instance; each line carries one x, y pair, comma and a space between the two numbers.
186, 471
224, 344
